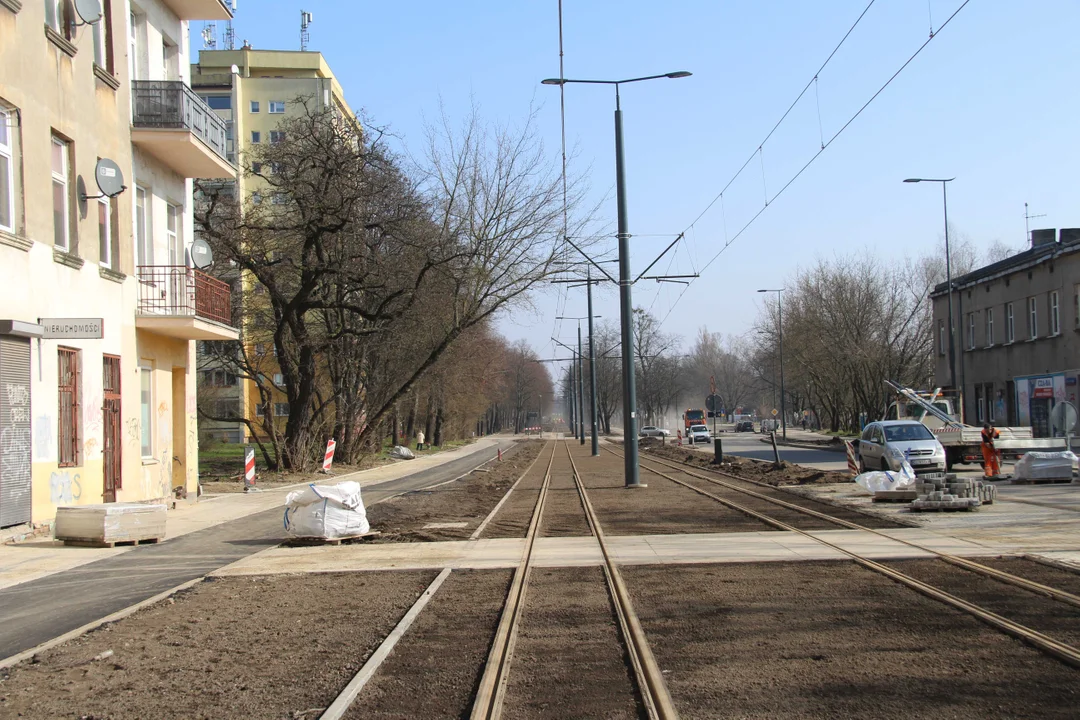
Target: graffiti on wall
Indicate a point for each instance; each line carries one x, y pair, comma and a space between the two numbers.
15, 450
134, 431
64, 487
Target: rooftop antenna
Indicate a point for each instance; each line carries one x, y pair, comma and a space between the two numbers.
1027, 223
209, 36
305, 36
230, 35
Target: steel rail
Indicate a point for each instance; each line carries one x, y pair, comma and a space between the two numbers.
650, 679
1062, 651
488, 702
1029, 585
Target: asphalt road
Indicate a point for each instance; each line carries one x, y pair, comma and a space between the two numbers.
34, 612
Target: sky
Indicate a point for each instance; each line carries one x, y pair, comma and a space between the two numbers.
991, 100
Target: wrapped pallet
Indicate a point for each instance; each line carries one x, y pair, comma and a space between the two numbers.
110, 523
326, 511
1045, 466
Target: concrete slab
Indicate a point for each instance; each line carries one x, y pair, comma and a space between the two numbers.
584, 551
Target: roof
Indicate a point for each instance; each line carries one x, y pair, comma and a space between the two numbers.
1021, 261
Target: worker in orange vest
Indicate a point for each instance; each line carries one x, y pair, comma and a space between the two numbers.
991, 464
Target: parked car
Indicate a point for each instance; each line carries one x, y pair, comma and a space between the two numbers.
744, 426
884, 445
653, 431
699, 433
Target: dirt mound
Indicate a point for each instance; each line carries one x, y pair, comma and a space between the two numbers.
786, 474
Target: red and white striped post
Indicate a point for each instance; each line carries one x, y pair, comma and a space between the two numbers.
328, 458
249, 467
852, 465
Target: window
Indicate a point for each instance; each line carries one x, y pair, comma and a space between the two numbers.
169, 70
277, 136
260, 349
990, 402
941, 337
102, 32
219, 102
1033, 320
1076, 306
980, 404
61, 195
1010, 325
277, 107
1055, 313
278, 198
143, 248
260, 410
256, 137
256, 167
256, 198
254, 106
106, 236
133, 47
989, 327
146, 404
281, 409
70, 411
56, 17
275, 168
174, 235
971, 331
7, 171
219, 378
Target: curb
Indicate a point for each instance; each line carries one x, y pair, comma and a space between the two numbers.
805, 446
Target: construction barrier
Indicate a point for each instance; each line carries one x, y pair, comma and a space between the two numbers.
852, 464
328, 458
249, 468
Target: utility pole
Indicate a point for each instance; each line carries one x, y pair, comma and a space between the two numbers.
592, 368
580, 386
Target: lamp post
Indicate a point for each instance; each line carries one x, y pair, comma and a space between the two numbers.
948, 271
579, 383
780, 320
626, 316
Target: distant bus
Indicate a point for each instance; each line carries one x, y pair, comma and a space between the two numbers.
693, 417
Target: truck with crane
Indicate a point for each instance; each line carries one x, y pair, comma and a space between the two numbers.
962, 443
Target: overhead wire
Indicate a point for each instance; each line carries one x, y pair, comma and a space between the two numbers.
817, 154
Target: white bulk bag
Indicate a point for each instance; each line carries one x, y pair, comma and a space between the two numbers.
326, 511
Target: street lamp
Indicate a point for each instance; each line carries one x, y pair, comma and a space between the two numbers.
948, 272
626, 308
581, 375
780, 319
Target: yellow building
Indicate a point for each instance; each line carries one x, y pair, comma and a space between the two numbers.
99, 310
253, 91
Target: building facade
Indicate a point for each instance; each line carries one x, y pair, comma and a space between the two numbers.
253, 91
99, 309
1017, 325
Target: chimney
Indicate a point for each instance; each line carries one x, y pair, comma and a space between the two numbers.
1039, 238
1069, 235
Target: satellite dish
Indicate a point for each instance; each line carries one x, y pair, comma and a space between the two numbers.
202, 256
89, 10
109, 177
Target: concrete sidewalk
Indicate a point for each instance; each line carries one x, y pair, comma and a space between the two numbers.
33, 559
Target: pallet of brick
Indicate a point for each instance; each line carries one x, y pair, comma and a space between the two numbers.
1044, 467
110, 524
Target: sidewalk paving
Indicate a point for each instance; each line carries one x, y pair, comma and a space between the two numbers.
33, 559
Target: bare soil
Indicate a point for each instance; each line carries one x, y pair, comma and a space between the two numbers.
786, 474
468, 500
569, 661
662, 508
436, 667
280, 646
564, 515
833, 640
512, 520
1056, 619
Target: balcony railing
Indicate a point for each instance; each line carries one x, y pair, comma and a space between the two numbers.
172, 104
180, 291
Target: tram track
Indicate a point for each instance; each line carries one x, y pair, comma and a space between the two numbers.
1057, 649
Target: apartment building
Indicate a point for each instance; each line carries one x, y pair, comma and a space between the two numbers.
253, 91
1017, 333
99, 309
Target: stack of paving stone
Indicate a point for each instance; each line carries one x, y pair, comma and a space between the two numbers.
948, 492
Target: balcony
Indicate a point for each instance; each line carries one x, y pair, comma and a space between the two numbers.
172, 123
200, 9
183, 303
